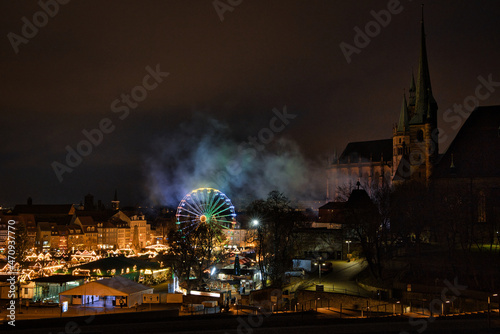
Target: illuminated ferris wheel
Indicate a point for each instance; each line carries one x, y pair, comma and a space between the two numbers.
205, 206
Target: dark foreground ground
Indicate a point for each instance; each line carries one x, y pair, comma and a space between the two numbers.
308, 322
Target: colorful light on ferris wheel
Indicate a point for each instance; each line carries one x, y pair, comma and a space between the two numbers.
205, 206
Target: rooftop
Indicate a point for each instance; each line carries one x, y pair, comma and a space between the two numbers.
373, 150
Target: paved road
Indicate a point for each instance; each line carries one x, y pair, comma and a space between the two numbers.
341, 278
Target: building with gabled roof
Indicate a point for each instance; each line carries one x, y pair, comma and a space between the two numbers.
107, 235
76, 237
58, 237
331, 215
43, 236
89, 227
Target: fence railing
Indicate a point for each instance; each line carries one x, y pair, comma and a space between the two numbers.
350, 292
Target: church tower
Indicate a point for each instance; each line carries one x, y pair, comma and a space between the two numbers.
420, 135
115, 203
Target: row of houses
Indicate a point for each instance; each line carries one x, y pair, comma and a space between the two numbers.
62, 227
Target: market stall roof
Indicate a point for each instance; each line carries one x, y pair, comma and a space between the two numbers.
58, 279
116, 286
118, 263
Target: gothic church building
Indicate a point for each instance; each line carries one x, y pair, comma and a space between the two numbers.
412, 152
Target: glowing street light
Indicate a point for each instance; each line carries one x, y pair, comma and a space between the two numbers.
319, 269
348, 242
255, 222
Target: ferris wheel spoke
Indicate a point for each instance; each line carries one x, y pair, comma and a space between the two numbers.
187, 226
195, 211
205, 198
222, 222
223, 210
199, 202
221, 217
215, 198
194, 202
221, 199
187, 222
194, 207
225, 221
191, 212
185, 205
216, 204
211, 204
189, 217
224, 227
224, 202
209, 200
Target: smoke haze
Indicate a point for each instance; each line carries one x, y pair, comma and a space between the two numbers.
206, 153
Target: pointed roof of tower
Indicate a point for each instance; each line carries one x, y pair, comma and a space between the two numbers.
429, 109
403, 116
424, 96
411, 97
412, 83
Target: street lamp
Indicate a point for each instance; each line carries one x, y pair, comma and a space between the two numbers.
496, 295
348, 242
489, 309
319, 269
255, 222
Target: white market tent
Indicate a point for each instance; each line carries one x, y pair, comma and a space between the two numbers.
116, 287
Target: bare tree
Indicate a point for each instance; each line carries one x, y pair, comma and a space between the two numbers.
193, 250
276, 234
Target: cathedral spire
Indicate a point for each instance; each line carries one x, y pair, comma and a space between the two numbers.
424, 98
411, 95
403, 116
412, 83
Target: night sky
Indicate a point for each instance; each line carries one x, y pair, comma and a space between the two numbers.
225, 78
